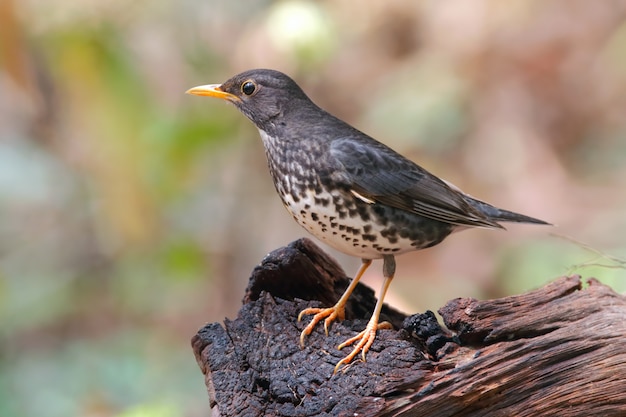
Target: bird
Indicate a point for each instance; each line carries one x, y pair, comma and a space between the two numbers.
349, 190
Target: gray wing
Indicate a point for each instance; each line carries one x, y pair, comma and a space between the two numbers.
379, 174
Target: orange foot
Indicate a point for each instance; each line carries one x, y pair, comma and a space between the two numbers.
365, 338
330, 314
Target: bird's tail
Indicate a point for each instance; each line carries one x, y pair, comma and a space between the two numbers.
500, 215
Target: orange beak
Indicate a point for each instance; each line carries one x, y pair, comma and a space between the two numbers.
212, 90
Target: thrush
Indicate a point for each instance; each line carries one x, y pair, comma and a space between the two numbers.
349, 190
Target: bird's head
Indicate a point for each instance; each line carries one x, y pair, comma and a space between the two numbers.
262, 95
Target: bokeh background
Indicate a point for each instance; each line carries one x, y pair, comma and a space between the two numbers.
131, 213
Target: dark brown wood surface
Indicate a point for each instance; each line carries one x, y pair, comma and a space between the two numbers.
556, 351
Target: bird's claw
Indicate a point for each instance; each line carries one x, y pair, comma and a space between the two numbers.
365, 338
329, 314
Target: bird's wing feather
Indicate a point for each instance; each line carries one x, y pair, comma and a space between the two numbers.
378, 173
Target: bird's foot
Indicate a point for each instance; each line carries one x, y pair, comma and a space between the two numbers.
365, 339
329, 314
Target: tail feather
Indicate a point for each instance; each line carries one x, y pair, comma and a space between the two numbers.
501, 215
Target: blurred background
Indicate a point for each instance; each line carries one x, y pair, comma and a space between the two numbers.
131, 214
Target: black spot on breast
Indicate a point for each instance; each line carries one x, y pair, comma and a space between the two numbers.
322, 201
371, 238
364, 212
380, 214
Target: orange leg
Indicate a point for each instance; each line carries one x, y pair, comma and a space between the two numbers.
367, 336
335, 312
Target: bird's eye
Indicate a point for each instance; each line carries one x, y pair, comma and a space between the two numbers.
248, 88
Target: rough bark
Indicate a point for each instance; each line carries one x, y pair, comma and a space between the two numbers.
558, 351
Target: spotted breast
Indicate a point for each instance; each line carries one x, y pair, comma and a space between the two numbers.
340, 216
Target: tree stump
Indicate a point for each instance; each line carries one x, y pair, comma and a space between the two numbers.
556, 351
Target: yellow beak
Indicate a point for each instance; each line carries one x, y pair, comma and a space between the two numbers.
212, 90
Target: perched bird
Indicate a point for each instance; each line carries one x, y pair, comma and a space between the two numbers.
349, 190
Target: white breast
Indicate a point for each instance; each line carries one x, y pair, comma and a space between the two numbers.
348, 235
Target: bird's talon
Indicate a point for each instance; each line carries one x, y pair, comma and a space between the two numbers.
339, 364
329, 314
347, 360
328, 322
365, 340
308, 311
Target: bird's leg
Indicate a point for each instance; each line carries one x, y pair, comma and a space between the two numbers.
335, 312
367, 336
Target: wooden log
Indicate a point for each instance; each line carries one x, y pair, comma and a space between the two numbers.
556, 351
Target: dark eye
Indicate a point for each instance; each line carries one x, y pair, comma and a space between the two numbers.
248, 88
